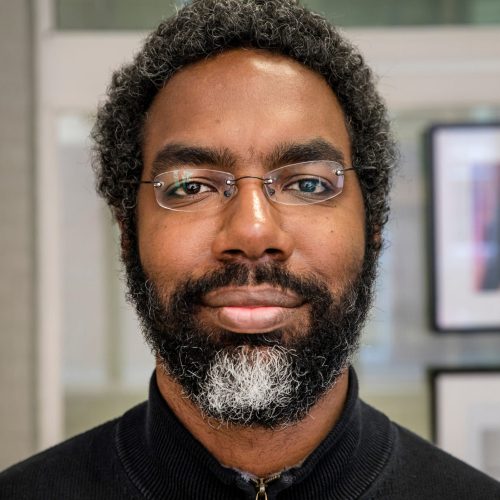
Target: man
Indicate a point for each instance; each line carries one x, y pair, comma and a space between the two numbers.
246, 157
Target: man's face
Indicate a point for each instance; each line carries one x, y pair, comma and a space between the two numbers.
259, 278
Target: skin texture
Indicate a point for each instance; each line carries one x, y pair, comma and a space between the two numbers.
250, 102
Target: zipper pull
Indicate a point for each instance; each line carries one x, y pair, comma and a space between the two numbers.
261, 492
261, 484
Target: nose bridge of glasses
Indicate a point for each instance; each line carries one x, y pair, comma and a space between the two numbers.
233, 184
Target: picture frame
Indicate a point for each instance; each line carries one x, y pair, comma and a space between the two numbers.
465, 226
465, 409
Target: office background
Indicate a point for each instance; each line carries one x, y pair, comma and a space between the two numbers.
71, 354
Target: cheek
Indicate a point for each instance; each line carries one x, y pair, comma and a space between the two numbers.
333, 247
173, 248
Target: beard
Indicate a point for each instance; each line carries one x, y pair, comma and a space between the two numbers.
268, 380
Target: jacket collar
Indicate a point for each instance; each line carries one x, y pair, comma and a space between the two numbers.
164, 460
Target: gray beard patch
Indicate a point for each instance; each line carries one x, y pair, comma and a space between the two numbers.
246, 380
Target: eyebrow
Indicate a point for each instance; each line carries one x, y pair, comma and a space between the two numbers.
175, 154
285, 153
316, 149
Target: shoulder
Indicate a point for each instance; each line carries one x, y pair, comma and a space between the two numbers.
85, 466
417, 469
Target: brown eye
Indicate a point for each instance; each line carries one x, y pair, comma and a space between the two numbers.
192, 187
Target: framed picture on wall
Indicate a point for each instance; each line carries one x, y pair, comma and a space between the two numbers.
465, 226
466, 415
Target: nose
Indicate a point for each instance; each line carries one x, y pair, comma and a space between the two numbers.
251, 228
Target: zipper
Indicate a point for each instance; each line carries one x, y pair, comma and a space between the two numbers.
261, 485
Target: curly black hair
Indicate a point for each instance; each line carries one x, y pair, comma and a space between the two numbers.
205, 28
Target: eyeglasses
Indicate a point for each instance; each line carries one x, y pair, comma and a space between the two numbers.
193, 189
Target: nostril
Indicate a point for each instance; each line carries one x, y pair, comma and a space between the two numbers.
233, 251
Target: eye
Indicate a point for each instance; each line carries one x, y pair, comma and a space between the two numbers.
192, 188
189, 188
308, 185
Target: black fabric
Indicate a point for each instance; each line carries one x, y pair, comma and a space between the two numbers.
147, 453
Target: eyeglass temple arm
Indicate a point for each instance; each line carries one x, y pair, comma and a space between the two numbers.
155, 183
359, 168
340, 171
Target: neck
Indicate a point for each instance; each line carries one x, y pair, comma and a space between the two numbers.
256, 450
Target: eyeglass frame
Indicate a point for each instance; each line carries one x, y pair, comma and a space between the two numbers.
231, 181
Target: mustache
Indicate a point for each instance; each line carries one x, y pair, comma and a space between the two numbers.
309, 287
182, 305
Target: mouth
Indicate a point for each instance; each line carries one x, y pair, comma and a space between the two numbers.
251, 309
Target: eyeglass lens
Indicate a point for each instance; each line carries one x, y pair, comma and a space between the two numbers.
305, 183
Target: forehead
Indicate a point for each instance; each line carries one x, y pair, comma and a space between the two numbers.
245, 101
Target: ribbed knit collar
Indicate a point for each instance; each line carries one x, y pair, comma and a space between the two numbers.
163, 460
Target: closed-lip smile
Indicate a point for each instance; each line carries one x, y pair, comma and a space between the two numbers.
251, 309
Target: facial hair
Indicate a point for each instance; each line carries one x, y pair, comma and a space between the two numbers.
268, 380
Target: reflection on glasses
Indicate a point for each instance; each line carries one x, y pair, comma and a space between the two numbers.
193, 189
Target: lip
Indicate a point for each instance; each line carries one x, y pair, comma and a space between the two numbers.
255, 309
251, 296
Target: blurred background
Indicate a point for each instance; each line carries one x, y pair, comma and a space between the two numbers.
71, 354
